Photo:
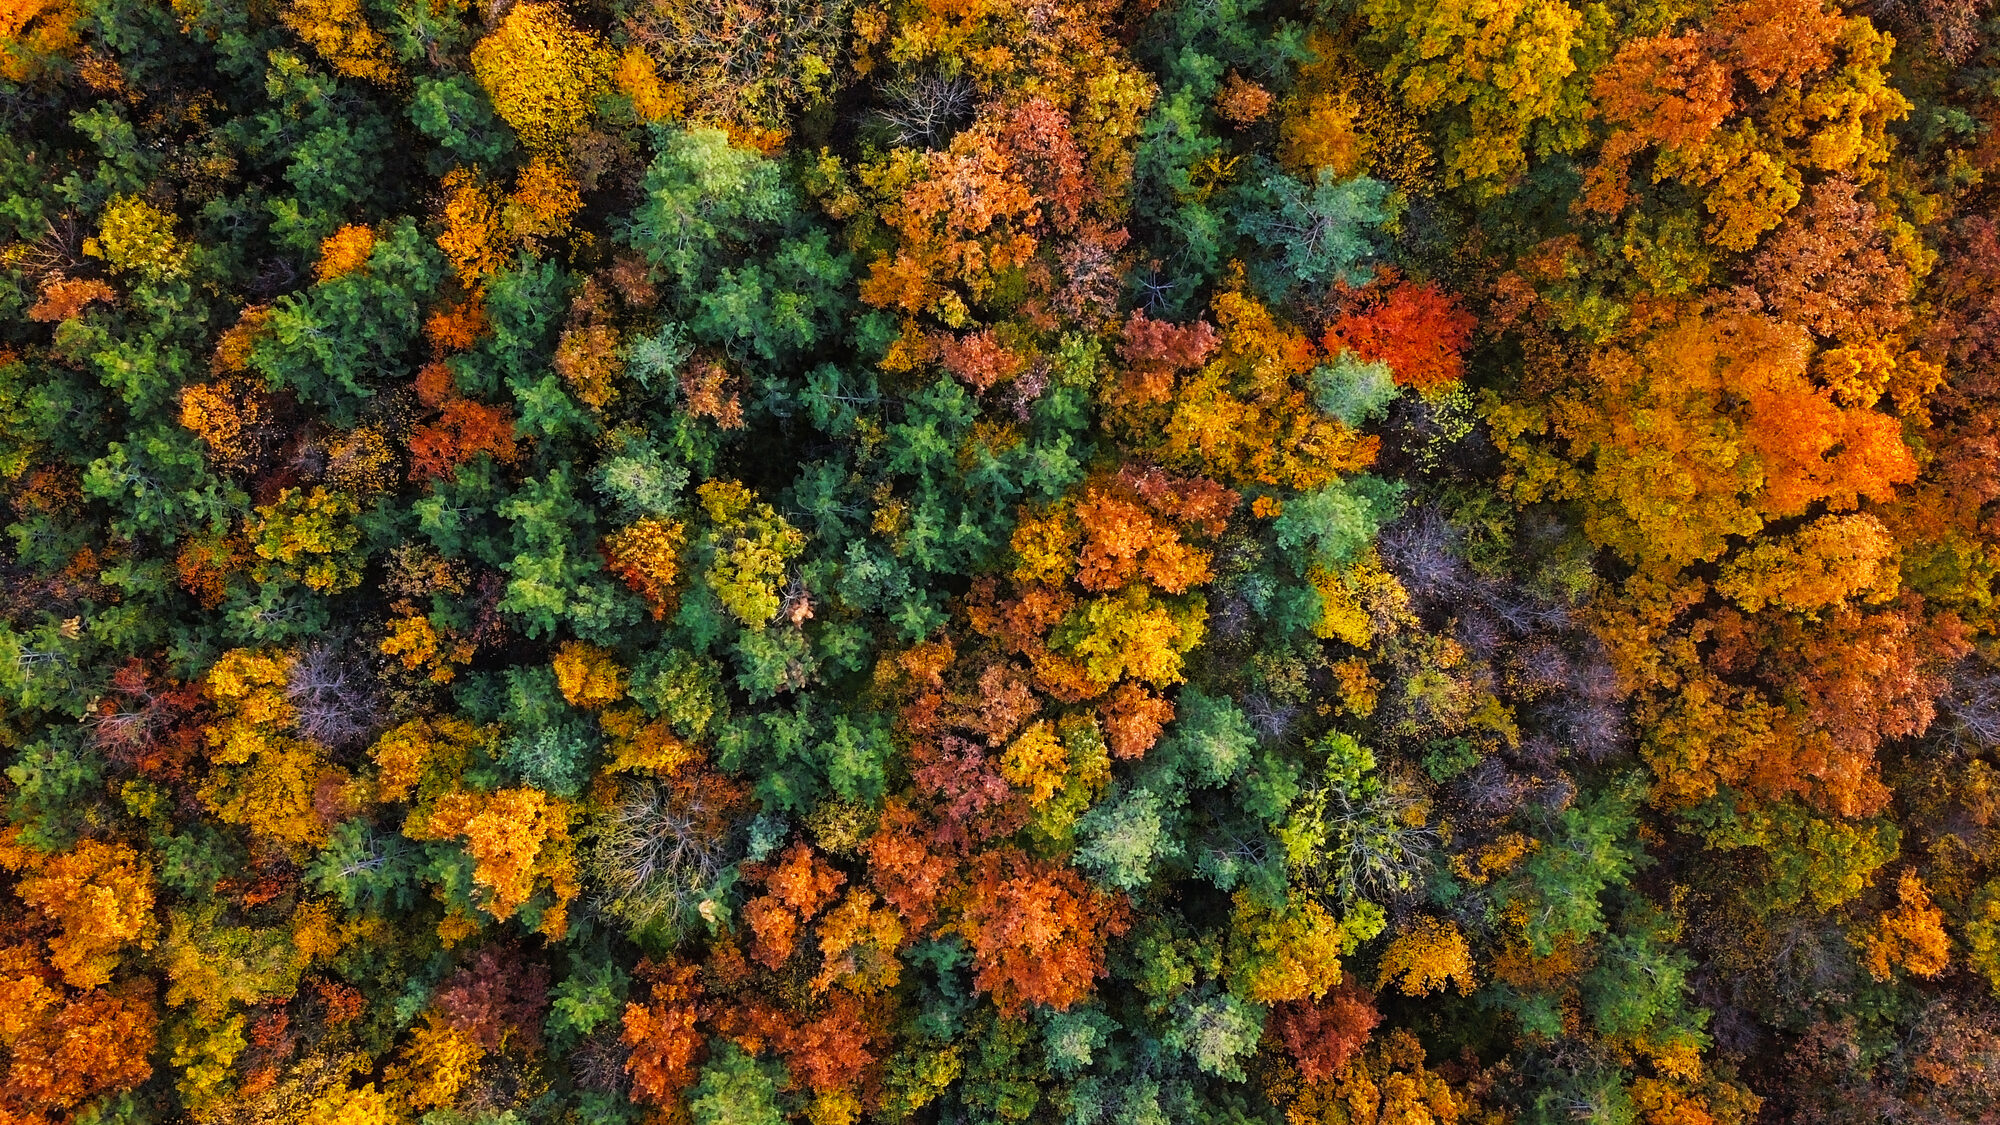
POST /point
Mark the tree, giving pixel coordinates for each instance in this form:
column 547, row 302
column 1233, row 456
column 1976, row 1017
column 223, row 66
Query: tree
column 666, row 1048
column 339, row 31
column 520, row 844
column 542, row 74
column 1501, row 75
column 1427, row 956
column 1415, row 328
column 1037, row 931
column 1910, row 937
column 1322, row 1036
column 101, row 898
column 735, row 1089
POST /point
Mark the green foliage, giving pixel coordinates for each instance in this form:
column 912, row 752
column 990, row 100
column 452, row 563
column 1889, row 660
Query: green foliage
column 735, row 1089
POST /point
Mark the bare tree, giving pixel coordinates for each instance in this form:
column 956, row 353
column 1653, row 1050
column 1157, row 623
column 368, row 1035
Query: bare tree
column 335, row 704
column 927, row 108
column 661, row 848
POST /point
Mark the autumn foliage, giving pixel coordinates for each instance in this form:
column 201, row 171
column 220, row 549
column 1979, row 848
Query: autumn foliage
column 1237, row 562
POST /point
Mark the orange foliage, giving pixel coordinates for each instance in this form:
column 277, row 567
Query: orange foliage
column 99, row 896
column 963, row 218
column 1133, row 719
column 1416, row 329
column 344, row 251
column 63, row 298
column 798, row 887
column 904, row 867
column 1322, row 1035
column 1155, row 352
column 463, row 430
column 661, row 1033
column 1037, row 930
column 455, row 326
column 60, row 1052
column 204, row 564
column 232, row 348
column 1242, row 102
column 31, row 31
column 646, row 557
column 1387, row 1085
column 229, row 415
column 981, row 360
column 652, row 99
column 544, row 200
column 1910, row 937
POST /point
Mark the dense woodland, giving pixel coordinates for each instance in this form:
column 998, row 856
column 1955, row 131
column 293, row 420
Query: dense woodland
column 721, row 562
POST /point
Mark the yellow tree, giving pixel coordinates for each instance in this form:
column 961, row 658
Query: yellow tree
column 1499, row 73
column 543, row 74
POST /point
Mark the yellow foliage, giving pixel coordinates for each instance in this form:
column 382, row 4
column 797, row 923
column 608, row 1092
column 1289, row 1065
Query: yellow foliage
column 1045, row 545
column 309, row 536
column 587, row 675
column 136, row 237
column 344, row 251
column 753, row 544
column 217, row 968
column 1824, row 564
column 858, row 940
column 1858, row 373
column 1721, row 1103
column 1504, row 62
column 1292, row 954
column 588, row 360
column 314, row 934
column 365, row 1106
column 1387, row 1085
column 472, row 239
column 833, row 1107
column 1982, row 934
column 543, row 75
column 265, row 778
column 204, row 1052
column 360, row 461
column 1245, row 417
column 520, row 845
column 339, row 31
column 225, row 414
column 272, row 794
column 646, row 556
column 421, row 757
column 636, row 743
column 248, row 688
column 416, row 643
column 438, row 1062
column 1132, row 634
column 1035, row 763
column 1427, row 956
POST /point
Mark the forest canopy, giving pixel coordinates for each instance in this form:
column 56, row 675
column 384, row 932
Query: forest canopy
column 1101, row 562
